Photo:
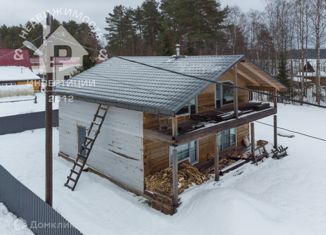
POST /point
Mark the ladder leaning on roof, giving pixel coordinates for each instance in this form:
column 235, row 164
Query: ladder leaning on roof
column 86, row 147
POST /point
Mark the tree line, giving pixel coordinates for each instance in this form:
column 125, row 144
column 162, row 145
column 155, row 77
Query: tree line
column 82, row 32
column 276, row 38
column 154, row 28
column 280, row 37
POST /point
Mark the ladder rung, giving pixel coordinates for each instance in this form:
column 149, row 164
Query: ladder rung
column 99, row 116
column 68, row 186
column 85, row 148
column 95, row 123
column 76, row 164
column 76, row 172
column 82, row 156
column 71, row 179
column 89, row 138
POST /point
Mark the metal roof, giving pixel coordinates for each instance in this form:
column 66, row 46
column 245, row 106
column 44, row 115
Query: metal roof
column 8, row 58
column 134, row 86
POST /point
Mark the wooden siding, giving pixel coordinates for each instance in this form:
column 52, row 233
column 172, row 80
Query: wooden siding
column 243, row 95
column 242, row 132
column 118, row 150
column 206, row 100
column 156, row 154
column 207, row 148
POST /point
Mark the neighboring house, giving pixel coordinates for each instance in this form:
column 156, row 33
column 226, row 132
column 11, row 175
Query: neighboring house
column 12, row 57
column 66, row 53
column 15, row 69
column 310, row 74
column 157, row 118
column 17, row 75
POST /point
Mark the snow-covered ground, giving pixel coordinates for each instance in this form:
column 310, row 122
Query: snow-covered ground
column 278, row 197
column 10, row 224
column 23, row 104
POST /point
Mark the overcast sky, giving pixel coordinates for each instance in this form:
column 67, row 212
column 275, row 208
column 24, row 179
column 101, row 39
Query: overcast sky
column 245, row 5
column 14, row 12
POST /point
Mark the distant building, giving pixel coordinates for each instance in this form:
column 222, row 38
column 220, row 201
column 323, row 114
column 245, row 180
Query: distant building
column 19, row 75
column 310, row 74
column 16, row 69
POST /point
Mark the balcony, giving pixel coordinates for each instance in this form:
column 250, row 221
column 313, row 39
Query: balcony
column 206, row 123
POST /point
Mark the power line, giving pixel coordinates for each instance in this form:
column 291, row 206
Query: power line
column 19, row 48
column 296, row 132
column 216, row 82
column 205, row 79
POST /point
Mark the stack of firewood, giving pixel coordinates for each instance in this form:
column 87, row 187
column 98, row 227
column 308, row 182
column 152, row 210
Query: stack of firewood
column 225, row 162
column 161, row 181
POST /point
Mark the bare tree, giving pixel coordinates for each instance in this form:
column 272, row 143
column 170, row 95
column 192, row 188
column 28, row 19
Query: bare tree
column 301, row 13
column 317, row 17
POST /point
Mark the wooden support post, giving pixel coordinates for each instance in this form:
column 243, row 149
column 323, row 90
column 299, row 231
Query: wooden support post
column 275, row 131
column 216, row 162
column 174, row 127
column 253, row 144
column 235, row 93
column 275, row 99
column 174, row 159
column 175, row 176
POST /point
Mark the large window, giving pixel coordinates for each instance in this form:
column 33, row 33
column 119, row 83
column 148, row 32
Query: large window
column 224, row 94
column 190, row 108
column 187, row 151
column 226, row 139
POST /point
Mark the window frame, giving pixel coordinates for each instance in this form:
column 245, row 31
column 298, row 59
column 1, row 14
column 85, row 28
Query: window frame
column 189, row 108
column 220, row 85
column 232, row 145
column 189, row 157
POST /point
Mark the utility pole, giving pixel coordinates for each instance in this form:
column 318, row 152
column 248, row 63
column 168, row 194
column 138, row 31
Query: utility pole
column 48, row 115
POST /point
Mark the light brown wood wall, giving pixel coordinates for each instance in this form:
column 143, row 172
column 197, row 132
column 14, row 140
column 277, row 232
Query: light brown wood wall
column 242, row 132
column 156, row 154
column 206, row 100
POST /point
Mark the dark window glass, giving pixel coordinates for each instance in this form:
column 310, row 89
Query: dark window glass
column 224, row 94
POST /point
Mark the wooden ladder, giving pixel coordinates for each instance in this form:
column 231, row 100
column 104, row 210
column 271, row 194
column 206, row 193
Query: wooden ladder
column 86, row 147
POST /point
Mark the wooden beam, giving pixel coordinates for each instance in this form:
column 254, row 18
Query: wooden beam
column 174, row 126
column 258, row 74
column 233, row 123
column 247, row 77
column 217, row 161
column 235, row 93
column 275, row 98
column 275, row 131
column 159, row 136
column 253, row 143
column 262, row 88
column 174, row 159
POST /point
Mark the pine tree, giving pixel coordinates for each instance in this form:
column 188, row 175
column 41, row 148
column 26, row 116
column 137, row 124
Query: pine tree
column 151, row 25
column 196, row 24
column 121, row 31
column 282, row 75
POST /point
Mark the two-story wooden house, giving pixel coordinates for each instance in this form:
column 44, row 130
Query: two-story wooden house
column 161, row 111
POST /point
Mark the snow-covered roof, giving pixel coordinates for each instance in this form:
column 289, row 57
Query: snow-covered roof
column 312, row 74
column 144, row 88
column 16, row 73
column 298, row 79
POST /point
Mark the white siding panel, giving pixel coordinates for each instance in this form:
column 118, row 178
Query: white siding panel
column 118, row 150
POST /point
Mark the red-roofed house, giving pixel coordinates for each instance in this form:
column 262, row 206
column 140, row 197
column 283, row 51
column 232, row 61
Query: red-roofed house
column 10, row 57
column 16, row 68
